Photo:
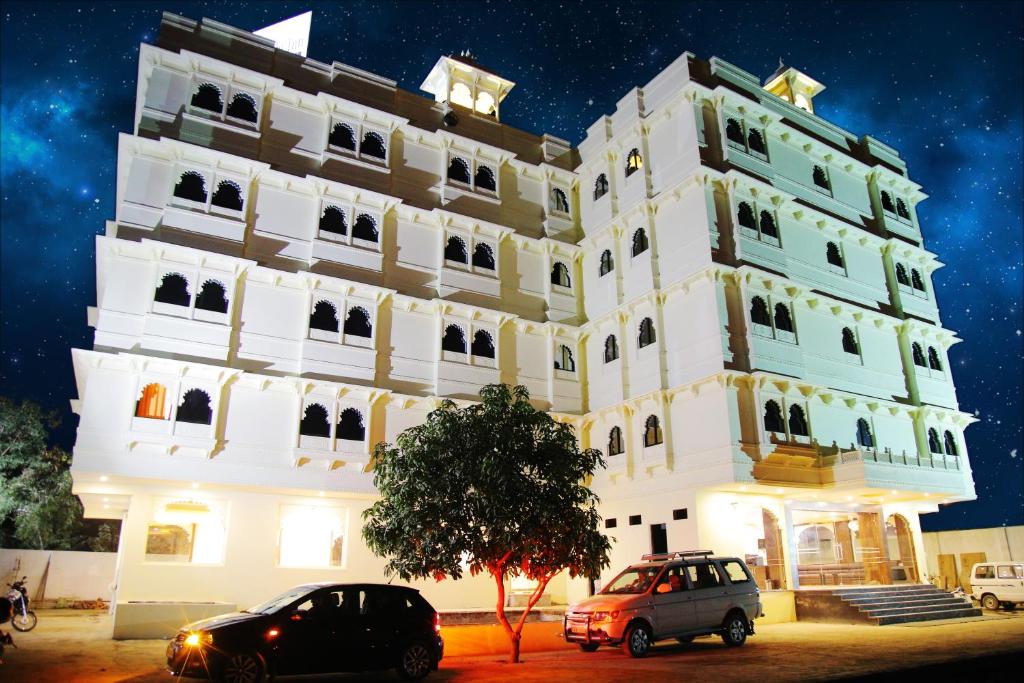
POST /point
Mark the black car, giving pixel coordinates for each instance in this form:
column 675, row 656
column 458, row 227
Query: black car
column 314, row 629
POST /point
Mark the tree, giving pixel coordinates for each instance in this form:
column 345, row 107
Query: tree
column 37, row 508
column 496, row 487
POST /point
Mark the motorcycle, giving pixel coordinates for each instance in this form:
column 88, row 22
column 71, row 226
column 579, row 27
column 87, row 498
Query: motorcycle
column 22, row 619
column 5, row 615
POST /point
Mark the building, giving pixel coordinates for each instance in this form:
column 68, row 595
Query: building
column 725, row 293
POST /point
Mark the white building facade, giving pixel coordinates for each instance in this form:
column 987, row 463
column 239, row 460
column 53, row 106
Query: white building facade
column 726, row 294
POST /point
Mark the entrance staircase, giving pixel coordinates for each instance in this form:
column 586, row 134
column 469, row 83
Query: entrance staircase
column 882, row 605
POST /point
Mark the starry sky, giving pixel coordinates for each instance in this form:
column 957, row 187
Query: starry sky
column 939, row 81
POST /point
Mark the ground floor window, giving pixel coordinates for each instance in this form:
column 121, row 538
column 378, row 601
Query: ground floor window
column 761, row 535
column 312, row 536
column 840, row 548
column 186, row 531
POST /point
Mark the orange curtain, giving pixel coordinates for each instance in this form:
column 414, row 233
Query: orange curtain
column 151, row 404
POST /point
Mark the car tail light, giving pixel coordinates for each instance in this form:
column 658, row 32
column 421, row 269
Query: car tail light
column 437, row 622
column 273, row 633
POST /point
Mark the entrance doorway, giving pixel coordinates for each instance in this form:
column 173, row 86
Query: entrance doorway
column 659, row 539
column 836, row 548
column 899, row 541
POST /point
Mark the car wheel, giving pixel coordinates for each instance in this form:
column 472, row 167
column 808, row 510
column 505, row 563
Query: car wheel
column 989, row 601
column 638, row 640
column 684, row 639
column 589, row 647
column 415, row 662
column 24, row 622
column 243, row 668
column 734, row 632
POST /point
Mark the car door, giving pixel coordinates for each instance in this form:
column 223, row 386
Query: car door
column 380, row 625
column 742, row 589
column 709, row 593
column 674, row 607
column 1010, row 579
column 305, row 642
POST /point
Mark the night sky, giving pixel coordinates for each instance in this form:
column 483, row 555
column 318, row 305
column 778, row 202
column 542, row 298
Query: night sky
column 940, row 82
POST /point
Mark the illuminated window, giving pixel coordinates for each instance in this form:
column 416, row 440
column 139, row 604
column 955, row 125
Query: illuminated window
column 343, row 137
column 462, row 95
column 455, row 250
column 864, row 436
column 483, row 257
column 333, row 220
column 559, row 202
column 314, row 421
column 615, row 441
column 640, row 243
column 350, row 425
column 933, row 359
column 850, row 342
column 773, row 418
column 243, row 107
column 607, row 263
column 611, row 349
column 186, row 531
column 212, row 297
column 485, row 104
column 152, row 402
column 324, row 317
column 365, row 228
column 312, row 536
column 208, row 96
column 195, row 408
column 454, row 339
column 357, row 323
column 483, row 345
column 950, row 442
column 759, row 312
column 173, row 290
column 647, row 336
column 560, row 275
column 600, row 186
column 634, row 162
column 798, row 422
column 191, row 185
column 934, row 445
column 833, row 255
column 918, row 354
column 652, row 431
column 564, row 359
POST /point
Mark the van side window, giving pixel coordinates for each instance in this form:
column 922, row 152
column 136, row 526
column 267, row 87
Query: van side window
column 735, row 571
column 1006, row 572
column 704, row 575
column 674, row 581
column 985, row 572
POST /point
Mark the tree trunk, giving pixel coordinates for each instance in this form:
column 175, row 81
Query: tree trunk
column 513, row 635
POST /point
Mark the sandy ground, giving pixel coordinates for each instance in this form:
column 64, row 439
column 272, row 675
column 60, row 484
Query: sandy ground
column 75, row 646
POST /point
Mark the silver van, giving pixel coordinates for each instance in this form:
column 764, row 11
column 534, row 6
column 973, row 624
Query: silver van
column 996, row 584
column 677, row 595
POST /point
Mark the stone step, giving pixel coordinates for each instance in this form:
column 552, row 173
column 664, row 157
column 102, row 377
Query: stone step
column 929, row 616
column 846, row 594
column 896, row 598
column 873, row 607
column 913, row 609
column 909, row 587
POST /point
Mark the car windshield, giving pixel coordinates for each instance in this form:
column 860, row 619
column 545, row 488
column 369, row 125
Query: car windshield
column 634, row 580
column 282, row 600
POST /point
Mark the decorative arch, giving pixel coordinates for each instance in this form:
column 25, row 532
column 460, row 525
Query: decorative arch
column 458, row 170
column 915, row 280
column 600, row 186
column 560, row 275
column 208, row 97
column 773, row 417
column 228, row 195
column 324, row 317
column 455, row 250
column 864, row 436
column 615, row 446
column 933, row 359
column 901, row 209
column 173, row 289
column 745, row 216
column 607, row 264
column 564, row 359
column 611, row 349
column 191, row 185
column 759, row 314
column 485, row 179
column 899, row 538
column 333, row 220
column 783, row 318
column 949, row 441
column 365, row 228
column 774, row 552
column 798, row 421
column 833, row 255
column 343, row 136
column 768, row 226
column 483, row 344
column 483, row 256
column 559, row 201
column 734, row 131
column 918, row 353
column 652, row 431
column 850, row 342
column 647, row 335
column 314, row 421
column 755, row 141
column 357, row 323
column 640, row 243
column 350, row 425
column 454, row 339
column 152, row 401
column 887, row 202
column 243, row 107
column 195, row 407
column 634, row 162
column 373, row 146
column 213, row 297
column 901, row 275
column 820, row 178
column 934, row 445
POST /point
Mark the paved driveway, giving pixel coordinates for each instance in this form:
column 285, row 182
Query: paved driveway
column 75, row 646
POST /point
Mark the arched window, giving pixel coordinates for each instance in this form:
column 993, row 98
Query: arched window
column 933, row 359
column 746, row 216
column 833, row 255
column 324, row 317
column 797, row 422
column 173, row 290
column 887, row 202
column 483, row 345
column 208, row 97
column 357, row 322
column 652, row 431
column 365, row 228
column 559, row 202
column 600, row 186
column 850, row 342
column 901, row 275
column 634, row 162
column 192, row 186
column 455, row 250
column 773, row 418
column 350, row 425
column 314, row 421
column 915, row 280
column 212, row 297
column 934, row 445
column 640, row 243
column 607, row 263
column 950, row 442
column 783, row 318
column 759, row 312
column 195, row 408
column 901, row 209
column 333, row 220
column 611, row 348
column 821, row 178
column 615, row 441
column 768, row 224
column 458, row 170
column 243, row 107
column 733, row 131
column 454, row 339
column 756, row 141
column 373, row 146
column 864, row 437
column 647, row 336
column 483, row 257
column 560, row 275
column 151, row 402
column 564, row 359
column 484, row 179
column 228, row 195
column 918, row 354
column 342, row 136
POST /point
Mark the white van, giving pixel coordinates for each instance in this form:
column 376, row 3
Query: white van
column 998, row 583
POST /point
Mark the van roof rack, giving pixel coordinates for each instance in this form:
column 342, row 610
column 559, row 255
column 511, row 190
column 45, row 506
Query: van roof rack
column 676, row 555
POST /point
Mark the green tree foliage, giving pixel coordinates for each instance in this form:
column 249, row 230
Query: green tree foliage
column 37, row 508
column 496, row 487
